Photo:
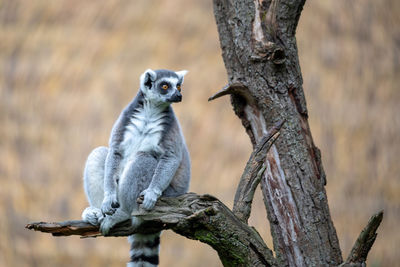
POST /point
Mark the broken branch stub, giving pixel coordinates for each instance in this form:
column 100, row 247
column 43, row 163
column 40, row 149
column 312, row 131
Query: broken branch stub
column 365, row 240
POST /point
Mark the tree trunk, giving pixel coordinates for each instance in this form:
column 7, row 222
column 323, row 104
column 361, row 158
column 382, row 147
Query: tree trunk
column 264, row 80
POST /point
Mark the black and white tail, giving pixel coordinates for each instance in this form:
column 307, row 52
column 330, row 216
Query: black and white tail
column 144, row 250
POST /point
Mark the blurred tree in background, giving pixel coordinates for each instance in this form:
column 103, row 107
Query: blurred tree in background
column 67, row 68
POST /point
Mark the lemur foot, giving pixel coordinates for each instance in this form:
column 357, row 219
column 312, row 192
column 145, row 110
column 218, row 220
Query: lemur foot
column 150, row 197
column 92, row 215
column 111, row 220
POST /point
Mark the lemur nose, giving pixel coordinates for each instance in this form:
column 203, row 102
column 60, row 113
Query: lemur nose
column 176, row 97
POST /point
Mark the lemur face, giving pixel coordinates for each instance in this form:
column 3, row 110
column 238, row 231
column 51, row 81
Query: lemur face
column 162, row 86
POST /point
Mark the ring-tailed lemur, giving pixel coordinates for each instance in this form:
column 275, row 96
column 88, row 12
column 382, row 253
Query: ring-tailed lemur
column 147, row 157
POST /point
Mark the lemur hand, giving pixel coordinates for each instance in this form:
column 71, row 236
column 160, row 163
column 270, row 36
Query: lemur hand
column 150, row 197
column 110, row 204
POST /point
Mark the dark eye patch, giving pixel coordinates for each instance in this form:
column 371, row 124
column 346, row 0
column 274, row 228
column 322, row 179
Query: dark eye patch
column 164, row 87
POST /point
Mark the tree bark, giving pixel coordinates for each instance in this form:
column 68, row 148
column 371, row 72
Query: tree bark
column 264, row 80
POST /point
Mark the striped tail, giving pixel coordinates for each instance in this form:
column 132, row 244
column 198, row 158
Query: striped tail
column 144, row 250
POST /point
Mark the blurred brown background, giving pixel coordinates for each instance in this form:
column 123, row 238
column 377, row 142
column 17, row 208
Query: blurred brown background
column 67, row 68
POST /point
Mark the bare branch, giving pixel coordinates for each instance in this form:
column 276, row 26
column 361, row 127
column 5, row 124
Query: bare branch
column 202, row 218
column 252, row 174
column 233, row 88
column 364, row 242
column 65, row 228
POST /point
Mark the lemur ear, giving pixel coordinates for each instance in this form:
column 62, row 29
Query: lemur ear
column 181, row 74
column 147, row 79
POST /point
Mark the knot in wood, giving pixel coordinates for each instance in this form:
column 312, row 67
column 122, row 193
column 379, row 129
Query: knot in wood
column 278, row 56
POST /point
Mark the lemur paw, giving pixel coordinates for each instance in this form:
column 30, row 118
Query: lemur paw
column 106, row 225
column 92, row 215
column 150, row 197
column 110, row 204
column 110, row 221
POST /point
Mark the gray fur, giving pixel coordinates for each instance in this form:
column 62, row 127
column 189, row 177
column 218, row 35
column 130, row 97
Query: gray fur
column 147, row 156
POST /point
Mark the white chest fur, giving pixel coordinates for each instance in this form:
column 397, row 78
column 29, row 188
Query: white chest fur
column 144, row 131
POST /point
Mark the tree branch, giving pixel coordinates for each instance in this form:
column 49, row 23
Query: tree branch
column 233, row 88
column 252, row 174
column 199, row 217
column 364, row 242
column 65, row 228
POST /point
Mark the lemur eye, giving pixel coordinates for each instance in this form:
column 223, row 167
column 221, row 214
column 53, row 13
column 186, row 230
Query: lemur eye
column 165, row 87
column 178, row 87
